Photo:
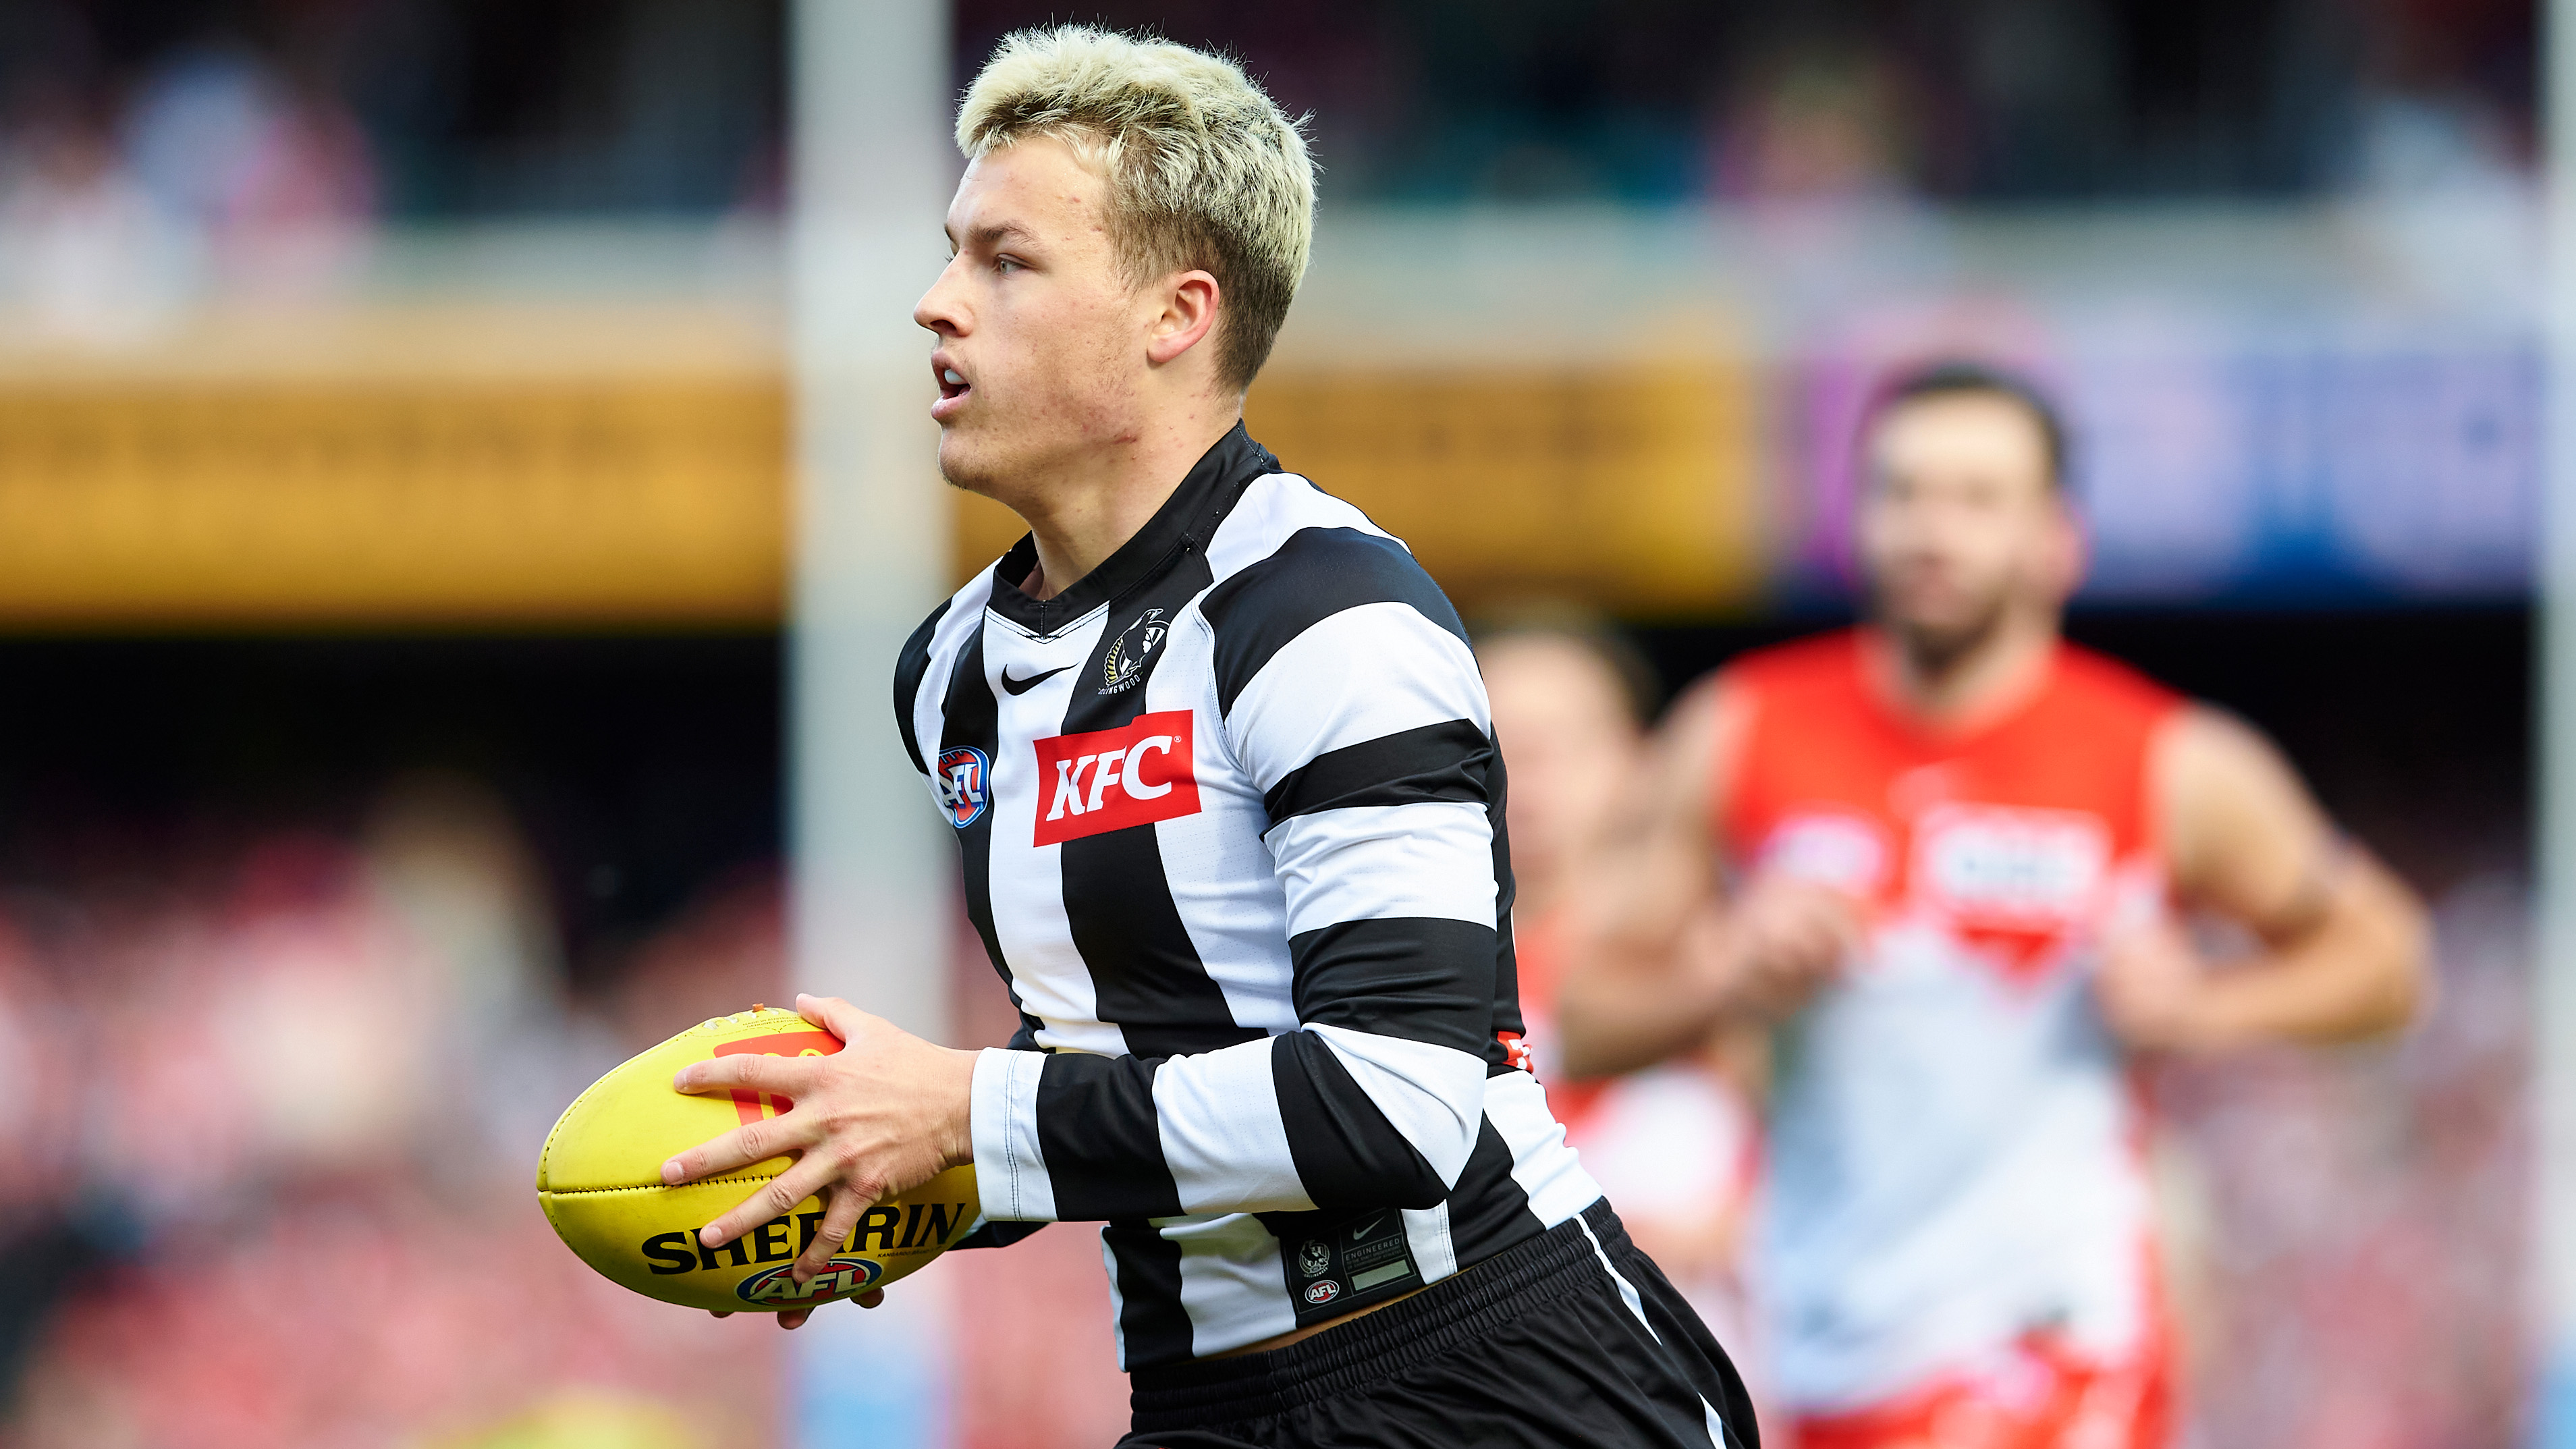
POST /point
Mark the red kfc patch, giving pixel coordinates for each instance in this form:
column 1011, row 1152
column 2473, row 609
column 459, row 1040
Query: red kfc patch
column 1111, row 779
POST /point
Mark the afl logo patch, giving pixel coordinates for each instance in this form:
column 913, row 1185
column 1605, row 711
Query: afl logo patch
column 1125, row 663
column 844, row 1277
column 965, row 782
column 1324, row 1292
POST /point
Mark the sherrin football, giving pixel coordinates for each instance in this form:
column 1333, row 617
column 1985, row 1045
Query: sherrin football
column 600, row 1180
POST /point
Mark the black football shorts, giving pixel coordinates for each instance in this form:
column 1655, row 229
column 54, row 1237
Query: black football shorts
column 1571, row 1338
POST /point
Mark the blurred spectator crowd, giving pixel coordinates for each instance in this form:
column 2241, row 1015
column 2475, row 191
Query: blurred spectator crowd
column 216, row 173
column 273, row 1104
column 196, row 125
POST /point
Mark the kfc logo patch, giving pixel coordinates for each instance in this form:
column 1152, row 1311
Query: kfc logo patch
column 1111, row 779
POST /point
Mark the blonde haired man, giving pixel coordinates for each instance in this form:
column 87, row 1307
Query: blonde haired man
column 1230, row 819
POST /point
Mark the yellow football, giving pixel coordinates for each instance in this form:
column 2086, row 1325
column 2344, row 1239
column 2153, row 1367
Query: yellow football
column 600, row 1180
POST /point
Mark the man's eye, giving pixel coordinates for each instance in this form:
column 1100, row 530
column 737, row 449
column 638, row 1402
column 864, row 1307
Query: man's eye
column 1008, row 264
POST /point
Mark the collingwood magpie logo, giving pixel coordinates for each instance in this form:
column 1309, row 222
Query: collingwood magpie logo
column 1126, row 662
column 1313, row 1259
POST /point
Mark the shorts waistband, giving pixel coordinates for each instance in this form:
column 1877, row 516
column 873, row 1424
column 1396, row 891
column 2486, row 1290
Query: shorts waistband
column 1375, row 1346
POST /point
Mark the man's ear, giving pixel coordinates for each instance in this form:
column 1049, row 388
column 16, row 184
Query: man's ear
column 1188, row 315
column 2070, row 548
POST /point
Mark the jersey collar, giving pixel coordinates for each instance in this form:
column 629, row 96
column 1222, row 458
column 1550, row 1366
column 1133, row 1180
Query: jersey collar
column 1184, row 523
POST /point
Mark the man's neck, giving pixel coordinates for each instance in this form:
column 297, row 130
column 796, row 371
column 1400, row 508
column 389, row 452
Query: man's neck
column 1981, row 683
column 1080, row 517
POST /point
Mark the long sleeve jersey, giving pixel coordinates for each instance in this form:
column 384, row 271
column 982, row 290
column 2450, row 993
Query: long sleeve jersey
column 1230, row 814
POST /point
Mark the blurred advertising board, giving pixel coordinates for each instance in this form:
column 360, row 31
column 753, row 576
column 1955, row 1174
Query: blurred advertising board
column 2250, row 470
column 1650, row 410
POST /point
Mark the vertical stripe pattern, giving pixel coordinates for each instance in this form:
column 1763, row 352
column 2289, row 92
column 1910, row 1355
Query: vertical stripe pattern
column 1238, row 856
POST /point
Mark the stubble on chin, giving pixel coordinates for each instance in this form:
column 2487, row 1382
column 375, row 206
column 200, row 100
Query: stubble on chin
column 1934, row 648
column 960, row 468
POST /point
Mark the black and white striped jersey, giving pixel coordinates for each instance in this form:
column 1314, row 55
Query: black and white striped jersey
column 1231, row 817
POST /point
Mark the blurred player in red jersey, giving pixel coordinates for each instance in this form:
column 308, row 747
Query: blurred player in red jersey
column 1949, row 850
column 1678, row 1142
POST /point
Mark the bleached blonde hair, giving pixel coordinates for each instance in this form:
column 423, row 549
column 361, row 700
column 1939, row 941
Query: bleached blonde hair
column 1205, row 171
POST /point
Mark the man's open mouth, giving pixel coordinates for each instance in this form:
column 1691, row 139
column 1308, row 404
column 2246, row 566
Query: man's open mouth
column 952, row 383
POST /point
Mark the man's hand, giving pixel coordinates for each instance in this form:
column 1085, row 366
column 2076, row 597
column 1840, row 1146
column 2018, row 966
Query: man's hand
column 881, row 1116
column 2154, row 991
column 1781, row 941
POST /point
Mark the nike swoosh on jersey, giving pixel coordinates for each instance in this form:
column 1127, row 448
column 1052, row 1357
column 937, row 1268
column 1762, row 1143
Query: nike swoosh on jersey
column 1023, row 686
column 1362, row 1234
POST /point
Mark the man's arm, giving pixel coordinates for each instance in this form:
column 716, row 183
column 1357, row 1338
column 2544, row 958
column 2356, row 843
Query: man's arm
column 2345, row 942
column 1659, row 958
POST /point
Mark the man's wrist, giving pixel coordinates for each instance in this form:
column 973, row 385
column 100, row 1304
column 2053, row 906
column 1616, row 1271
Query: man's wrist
column 957, row 1133
column 1010, row 1169
column 2218, row 1017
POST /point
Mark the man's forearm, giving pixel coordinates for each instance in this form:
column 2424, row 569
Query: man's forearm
column 1611, row 1021
column 1291, row 1123
column 2361, row 972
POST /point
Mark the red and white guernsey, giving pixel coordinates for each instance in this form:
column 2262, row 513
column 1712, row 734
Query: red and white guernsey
column 1954, row 1148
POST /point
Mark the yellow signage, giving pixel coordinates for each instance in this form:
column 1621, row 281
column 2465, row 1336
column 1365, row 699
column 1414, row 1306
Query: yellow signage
column 571, row 498
column 1632, row 488
column 215, row 503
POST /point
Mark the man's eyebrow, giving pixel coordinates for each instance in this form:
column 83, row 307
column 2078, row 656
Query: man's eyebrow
column 996, row 233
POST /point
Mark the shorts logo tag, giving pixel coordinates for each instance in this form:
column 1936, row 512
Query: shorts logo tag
column 1363, row 1260
column 1111, row 779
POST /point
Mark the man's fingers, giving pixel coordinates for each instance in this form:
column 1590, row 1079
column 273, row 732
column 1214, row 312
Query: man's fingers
column 749, row 1071
column 871, row 1298
column 794, row 1317
column 839, row 1219
column 749, row 1143
column 1830, row 911
column 833, row 1014
column 775, row 1198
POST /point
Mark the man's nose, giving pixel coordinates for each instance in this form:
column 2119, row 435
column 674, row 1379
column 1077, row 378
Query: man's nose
column 937, row 311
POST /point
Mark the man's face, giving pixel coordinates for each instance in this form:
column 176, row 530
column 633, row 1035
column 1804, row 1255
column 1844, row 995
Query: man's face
column 1959, row 522
column 1040, row 336
column 1568, row 740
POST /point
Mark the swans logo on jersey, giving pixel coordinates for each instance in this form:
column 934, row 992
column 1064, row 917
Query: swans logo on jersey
column 965, row 782
column 2011, row 867
column 1111, row 779
column 1845, row 851
column 1125, row 663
